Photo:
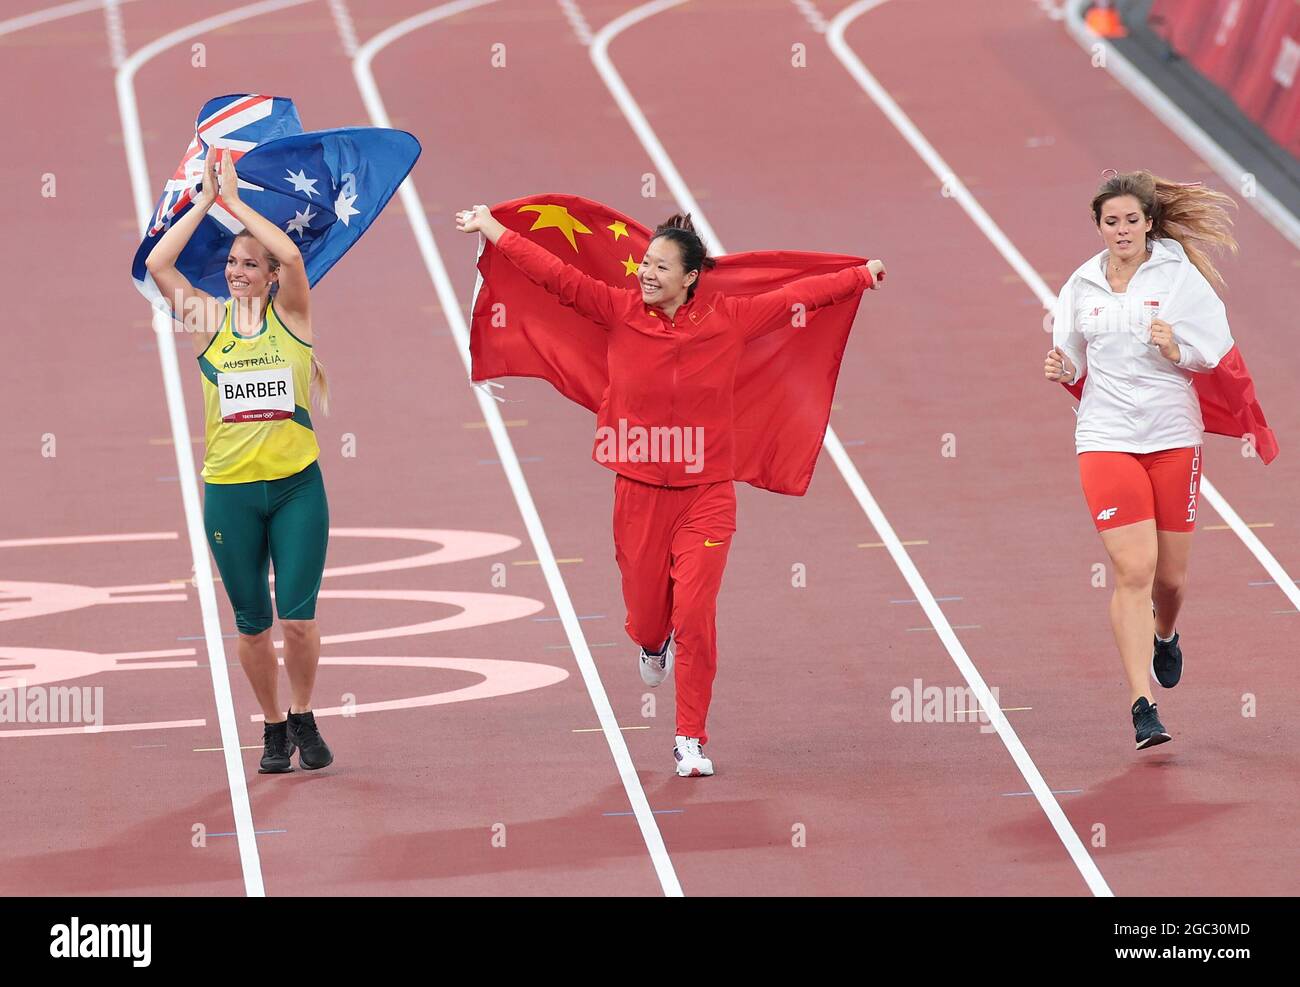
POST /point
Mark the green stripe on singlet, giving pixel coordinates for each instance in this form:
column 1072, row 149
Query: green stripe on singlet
column 302, row 417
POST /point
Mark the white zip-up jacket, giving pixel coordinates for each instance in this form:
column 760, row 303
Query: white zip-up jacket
column 1134, row 400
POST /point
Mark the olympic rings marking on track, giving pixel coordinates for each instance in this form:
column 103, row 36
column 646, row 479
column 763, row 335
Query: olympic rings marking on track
column 38, row 666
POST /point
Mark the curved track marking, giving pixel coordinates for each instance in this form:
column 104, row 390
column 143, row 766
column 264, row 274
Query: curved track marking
column 501, row 677
column 39, row 666
column 419, row 220
column 88, row 539
column 106, row 728
column 33, row 667
column 20, row 600
column 137, row 164
column 477, row 610
column 848, row 470
column 47, row 14
column 456, row 546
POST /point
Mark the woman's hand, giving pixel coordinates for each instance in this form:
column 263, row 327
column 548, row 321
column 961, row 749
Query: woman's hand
column 877, row 269
column 1058, row 367
column 479, row 220
column 1162, row 337
column 473, row 220
column 229, row 178
column 207, row 195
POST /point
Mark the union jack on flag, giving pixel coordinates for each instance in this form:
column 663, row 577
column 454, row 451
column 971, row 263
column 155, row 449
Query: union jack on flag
column 324, row 188
column 255, row 117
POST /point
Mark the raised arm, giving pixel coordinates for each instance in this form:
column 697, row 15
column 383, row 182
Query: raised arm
column 590, row 297
column 199, row 312
column 768, row 311
column 292, row 299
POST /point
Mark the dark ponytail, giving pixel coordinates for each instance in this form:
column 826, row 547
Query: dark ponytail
column 695, row 256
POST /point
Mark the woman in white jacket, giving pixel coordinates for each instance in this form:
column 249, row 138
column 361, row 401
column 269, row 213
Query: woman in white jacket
column 1138, row 320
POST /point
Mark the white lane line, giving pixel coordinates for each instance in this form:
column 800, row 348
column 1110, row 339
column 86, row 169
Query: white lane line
column 419, row 221
column 576, row 20
column 47, row 14
column 1187, row 129
column 162, row 325
column 993, row 232
column 600, row 56
column 812, row 15
column 347, row 30
column 116, row 33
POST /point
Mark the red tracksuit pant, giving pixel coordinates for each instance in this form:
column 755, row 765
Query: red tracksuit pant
column 671, row 544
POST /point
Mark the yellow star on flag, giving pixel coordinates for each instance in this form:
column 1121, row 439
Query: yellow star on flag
column 630, row 266
column 556, row 217
column 619, row 228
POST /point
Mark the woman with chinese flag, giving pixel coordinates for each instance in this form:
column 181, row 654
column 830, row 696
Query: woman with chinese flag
column 671, row 355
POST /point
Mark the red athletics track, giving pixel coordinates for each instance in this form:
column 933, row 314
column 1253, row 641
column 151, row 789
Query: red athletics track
column 991, row 512
column 85, row 815
column 978, row 320
column 1227, row 786
column 800, row 724
column 888, row 808
column 414, row 812
column 1102, row 800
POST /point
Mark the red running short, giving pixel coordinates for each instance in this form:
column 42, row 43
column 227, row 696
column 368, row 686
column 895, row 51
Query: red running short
column 1124, row 487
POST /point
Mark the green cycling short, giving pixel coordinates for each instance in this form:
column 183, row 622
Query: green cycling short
column 251, row 526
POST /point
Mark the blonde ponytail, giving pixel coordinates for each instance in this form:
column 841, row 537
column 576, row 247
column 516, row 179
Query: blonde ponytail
column 320, row 386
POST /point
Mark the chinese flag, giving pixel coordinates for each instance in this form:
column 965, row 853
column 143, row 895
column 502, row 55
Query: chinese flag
column 786, row 378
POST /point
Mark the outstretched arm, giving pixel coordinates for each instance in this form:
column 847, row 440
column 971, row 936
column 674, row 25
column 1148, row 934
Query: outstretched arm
column 198, row 311
column 765, row 312
column 590, row 297
column 292, row 300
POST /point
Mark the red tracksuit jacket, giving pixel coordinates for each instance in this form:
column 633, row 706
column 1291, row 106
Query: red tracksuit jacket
column 676, row 374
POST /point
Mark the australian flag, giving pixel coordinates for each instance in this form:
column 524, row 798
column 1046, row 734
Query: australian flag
column 323, row 187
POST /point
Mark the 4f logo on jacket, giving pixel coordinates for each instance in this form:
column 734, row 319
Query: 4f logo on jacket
column 1107, row 514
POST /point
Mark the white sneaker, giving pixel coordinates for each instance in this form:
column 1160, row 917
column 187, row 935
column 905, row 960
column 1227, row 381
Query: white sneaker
column 691, row 762
column 656, row 668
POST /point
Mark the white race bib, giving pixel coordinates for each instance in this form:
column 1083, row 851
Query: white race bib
column 256, row 396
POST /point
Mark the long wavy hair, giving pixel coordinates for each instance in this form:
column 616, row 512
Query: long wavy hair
column 1195, row 216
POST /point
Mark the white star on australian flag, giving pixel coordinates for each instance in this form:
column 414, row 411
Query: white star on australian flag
column 301, row 183
column 300, row 221
column 343, row 207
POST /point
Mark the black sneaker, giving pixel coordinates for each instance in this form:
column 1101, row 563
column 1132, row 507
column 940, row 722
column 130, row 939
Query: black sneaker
column 1150, row 731
column 313, row 752
column 1167, row 662
column 275, row 749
